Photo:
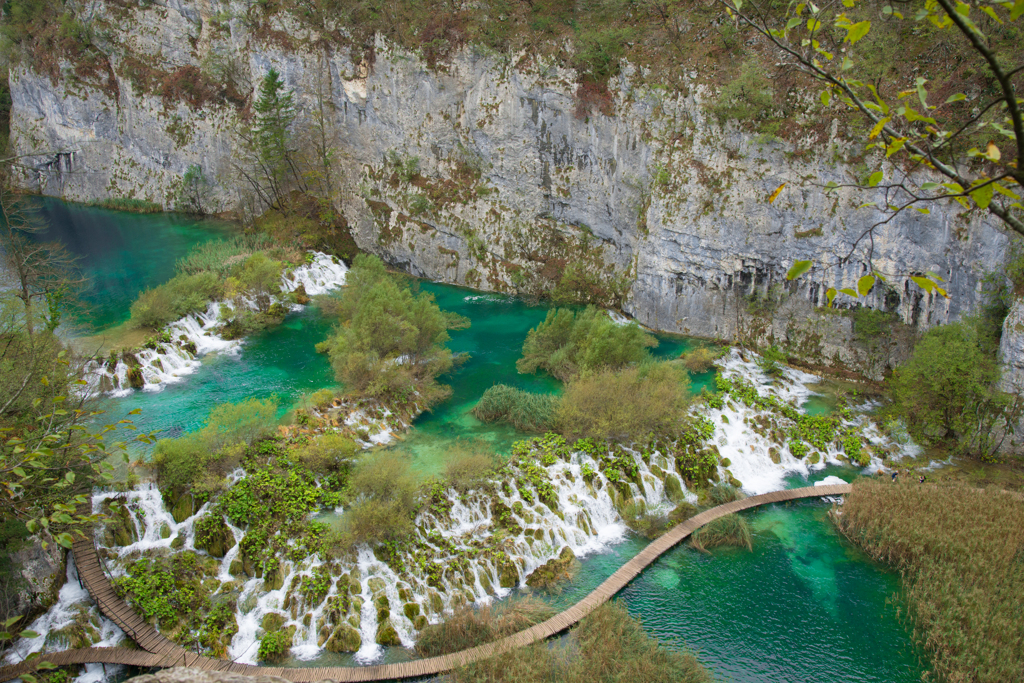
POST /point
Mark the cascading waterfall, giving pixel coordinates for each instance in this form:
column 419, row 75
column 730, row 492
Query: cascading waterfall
column 195, row 335
column 73, row 621
column 479, row 545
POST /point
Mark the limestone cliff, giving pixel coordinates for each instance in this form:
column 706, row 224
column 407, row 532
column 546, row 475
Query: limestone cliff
column 480, row 173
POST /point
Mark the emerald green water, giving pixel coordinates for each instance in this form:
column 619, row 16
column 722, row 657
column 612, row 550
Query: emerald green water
column 803, row 606
column 122, row 253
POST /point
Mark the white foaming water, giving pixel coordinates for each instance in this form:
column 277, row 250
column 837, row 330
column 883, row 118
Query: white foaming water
column 146, row 510
column 73, row 606
column 749, row 452
column 319, row 277
column 171, row 362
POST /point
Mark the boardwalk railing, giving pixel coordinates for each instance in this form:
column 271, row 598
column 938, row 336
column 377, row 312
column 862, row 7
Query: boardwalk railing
column 158, row 651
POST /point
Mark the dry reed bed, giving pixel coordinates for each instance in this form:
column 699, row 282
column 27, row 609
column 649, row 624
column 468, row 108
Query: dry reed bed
column 960, row 553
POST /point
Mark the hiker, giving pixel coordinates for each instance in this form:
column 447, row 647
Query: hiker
column 895, row 473
column 921, row 480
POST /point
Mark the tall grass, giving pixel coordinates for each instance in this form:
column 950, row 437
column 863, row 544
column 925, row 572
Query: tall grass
column 523, row 410
column 220, row 256
column 607, row 646
column 469, row 627
column 130, row 205
column 960, row 553
column 729, row 530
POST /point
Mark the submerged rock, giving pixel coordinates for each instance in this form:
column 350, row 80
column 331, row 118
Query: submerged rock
column 184, row 507
column 554, row 570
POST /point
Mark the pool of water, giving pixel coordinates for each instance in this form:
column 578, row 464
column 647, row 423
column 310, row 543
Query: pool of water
column 804, row 605
column 122, row 253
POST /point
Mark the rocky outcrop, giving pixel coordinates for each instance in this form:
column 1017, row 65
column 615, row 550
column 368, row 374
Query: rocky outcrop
column 40, row 572
column 481, row 174
column 557, row 569
column 1011, row 348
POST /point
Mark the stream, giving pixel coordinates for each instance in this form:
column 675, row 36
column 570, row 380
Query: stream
column 804, row 605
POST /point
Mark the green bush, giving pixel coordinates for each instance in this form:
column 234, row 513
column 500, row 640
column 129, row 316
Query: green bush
column 274, row 646
column 467, row 464
column 568, row 343
column 523, row 410
column 700, row 359
column 328, row 453
column 625, row 405
column 180, row 296
column 129, row 205
column 383, row 489
column 221, row 256
column 730, row 530
column 390, row 344
column 469, row 626
column 948, row 390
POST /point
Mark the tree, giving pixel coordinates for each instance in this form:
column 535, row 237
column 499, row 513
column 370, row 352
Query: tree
column 270, row 166
column 948, row 391
column 973, row 144
column 194, row 194
column 390, row 343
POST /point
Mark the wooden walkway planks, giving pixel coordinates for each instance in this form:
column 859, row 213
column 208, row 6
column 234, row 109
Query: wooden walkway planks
column 158, row 651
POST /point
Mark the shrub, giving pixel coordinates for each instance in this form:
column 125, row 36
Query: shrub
column 959, row 553
column 700, row 359
column 567, row 343
column 384, row 490
column 948, row 391
column 220, row 256
column 391, row 344
column 274, row 646
column 626, row 404
column 728, row 530
column 523, row 410
column 468, row 626
column 129, row 205
column 182, row 295
column 328, row 453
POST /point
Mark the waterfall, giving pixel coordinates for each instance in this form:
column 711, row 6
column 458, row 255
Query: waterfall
column 184, row 341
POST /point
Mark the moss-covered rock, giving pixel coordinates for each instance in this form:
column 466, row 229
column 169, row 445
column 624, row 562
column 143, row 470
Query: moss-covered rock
column 272, row 621
column 412, row 610
column 183, row 508
column 178, row 543
column 165, row 530
column 673, row 488
column 214, row 536
column 344, row 638
column 733, row 481
column 274, row 579
column 387, row 635
column 508, row 572
column 554, row 570
column 773, row 453
column 236, row 567
column 420, row 622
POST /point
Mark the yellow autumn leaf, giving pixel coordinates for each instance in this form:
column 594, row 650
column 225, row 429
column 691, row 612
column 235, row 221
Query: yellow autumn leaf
column 878, row 128
column 992, row 152
column 775, row 195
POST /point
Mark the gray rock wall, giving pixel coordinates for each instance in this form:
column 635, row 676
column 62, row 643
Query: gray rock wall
column 658, row 196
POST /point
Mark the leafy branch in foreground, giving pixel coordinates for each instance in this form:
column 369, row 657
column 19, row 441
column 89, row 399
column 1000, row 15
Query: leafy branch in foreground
column 971, row 146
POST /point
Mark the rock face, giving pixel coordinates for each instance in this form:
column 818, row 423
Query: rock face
column 43, row 573
column 481, row 174
column 1011, row 348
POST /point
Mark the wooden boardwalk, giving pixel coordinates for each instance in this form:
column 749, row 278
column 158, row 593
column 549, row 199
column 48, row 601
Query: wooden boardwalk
column 158, row 651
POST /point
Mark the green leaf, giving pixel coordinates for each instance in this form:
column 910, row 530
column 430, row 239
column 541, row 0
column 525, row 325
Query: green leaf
column 798, row 268
column 930, row 186
column 865, row 284
column 10, row 622
column 826, row 96
column 46, row 666
column 934, row 276
column 29, row 634
column 878, row 127
column 955, row 98
column 830, row 294
column 1018, row 9
column 20, row 472
column 858, row 31
column 847, row 290
column 982, row 196
column 794, row 22
column 922, row 210
column 896, row 146
column 924, row 283
column 875, row 178
column 64, row 540
column 70, row 476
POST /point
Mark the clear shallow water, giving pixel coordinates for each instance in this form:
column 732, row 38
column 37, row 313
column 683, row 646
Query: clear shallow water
column 804, row 606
